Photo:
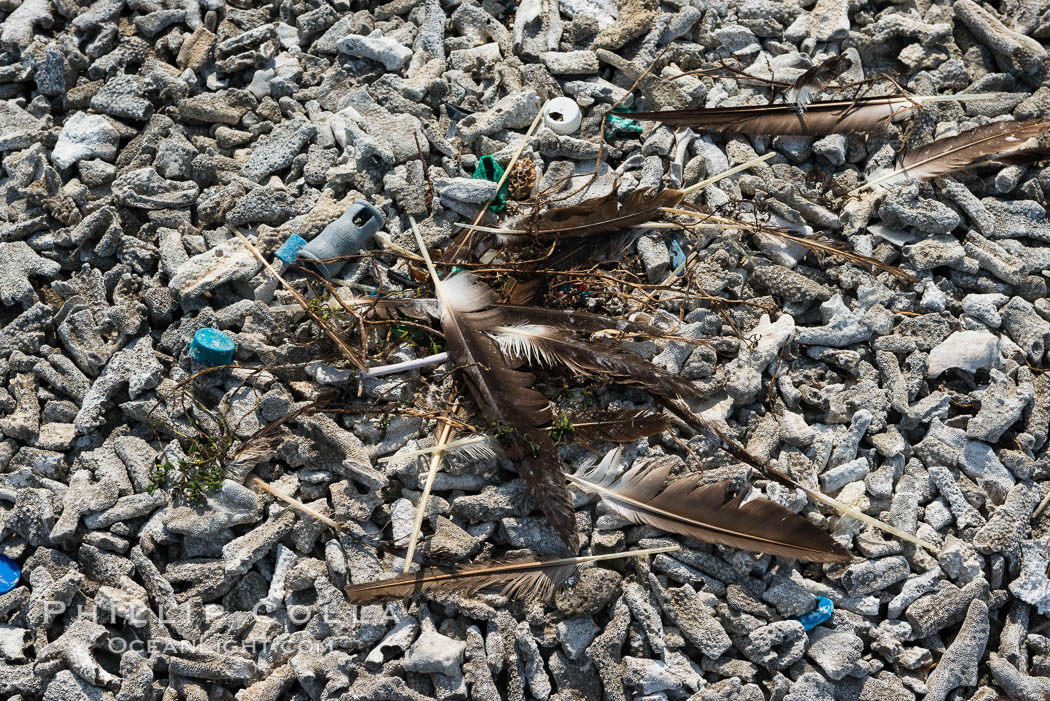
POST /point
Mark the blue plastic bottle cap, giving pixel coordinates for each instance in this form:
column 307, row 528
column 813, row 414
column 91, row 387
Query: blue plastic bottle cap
column 212, row 347
column 825, row 607
column 289, row 251
column 10, row 573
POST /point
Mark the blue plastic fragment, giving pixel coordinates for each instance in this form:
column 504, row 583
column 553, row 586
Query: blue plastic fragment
column 289, row 250
column 212, row 348
column 10, row 573
column 677, row 256
column 821, row 613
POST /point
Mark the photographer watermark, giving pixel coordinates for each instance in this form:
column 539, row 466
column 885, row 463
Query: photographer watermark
column 297, row 615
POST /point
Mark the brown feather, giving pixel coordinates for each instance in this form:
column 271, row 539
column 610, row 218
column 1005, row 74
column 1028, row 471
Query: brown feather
column 731, row 447
column 606, row 214
column 828, row 117
column 1020, row 157
column 550, row 344
column 816, row 79
column 516, row 578
column 506, row 400
column 707, row 512
column 617, row 426
column 954, row 153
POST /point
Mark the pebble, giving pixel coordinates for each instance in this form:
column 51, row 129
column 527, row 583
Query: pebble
column 85, row 136
column 965, row 350
column 958, row 665
column 376, row 47
column 837, row 653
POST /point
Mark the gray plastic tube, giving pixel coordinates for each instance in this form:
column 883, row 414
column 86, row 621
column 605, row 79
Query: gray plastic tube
column 345, row 236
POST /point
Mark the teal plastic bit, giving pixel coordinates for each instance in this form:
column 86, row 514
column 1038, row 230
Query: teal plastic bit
column 621, row 126
column 489, row 169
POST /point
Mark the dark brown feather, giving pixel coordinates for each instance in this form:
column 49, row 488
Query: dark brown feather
column 616, row 426
column 515, row 578
column 828, row 117
column 606, row 214
column 707, row 512
column 506, row 400
column 549, row 344
column 954, row 153
column 816, row 79
column 694, row 420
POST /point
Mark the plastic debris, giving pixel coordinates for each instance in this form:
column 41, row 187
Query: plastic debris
column 820, row 614
column 489, row 169
column 212, row 348
column 618, row 125
column 289, row 250
column 10, row 573
column 677, row 256
column 285, row 256
column 562, row 116
column 345, row 236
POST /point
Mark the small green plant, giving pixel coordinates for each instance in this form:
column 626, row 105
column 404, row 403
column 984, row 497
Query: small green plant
column 418, row 337
column 192, row 477
column 561, row 429
column 320, row 308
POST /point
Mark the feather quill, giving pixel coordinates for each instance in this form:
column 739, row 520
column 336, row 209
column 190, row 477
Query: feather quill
column 514, row 577
column 814, row 80
column 826, row 117
column 953, row 153
column 730, row 446
column 503, row 395
column 617, row 426
column 605, row 214
column 547, row 344
column 706, row 511
column 474, row 447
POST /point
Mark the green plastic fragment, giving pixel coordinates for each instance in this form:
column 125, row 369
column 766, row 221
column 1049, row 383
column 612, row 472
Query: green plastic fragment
column 621, row 126
column 489, row 169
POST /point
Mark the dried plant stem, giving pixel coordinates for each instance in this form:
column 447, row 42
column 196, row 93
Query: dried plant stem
column 726, row 173
column 387, row 243
column 870, row 520
column 435, row 461
column 506, row 174
column 296, row 504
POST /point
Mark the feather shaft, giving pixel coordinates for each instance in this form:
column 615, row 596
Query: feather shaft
column 296, row 504
column 435, row 461
column 705, row 512
column 954, row 153
column 726, row 173
column 522, row 578
column 406, row 365
column 827, row 117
